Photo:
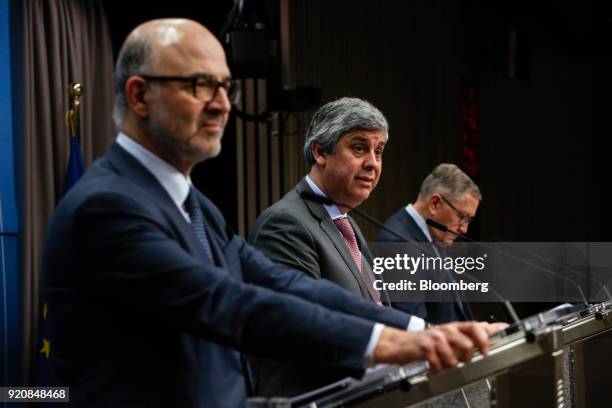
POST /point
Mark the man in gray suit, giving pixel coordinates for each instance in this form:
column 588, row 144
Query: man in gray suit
column 344, row 147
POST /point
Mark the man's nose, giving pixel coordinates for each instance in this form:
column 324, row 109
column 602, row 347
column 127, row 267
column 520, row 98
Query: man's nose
column 370, row 161
column 221, row 102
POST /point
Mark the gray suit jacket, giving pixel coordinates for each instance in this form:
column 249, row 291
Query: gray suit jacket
column 299, row 233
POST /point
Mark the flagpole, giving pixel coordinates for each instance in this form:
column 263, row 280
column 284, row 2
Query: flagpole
column 72, row 116
column 42, row 373
column 76, row 167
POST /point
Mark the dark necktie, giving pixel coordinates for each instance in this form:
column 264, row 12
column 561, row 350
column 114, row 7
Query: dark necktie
column 457, row 294
column 192, row 206
column 346, row 229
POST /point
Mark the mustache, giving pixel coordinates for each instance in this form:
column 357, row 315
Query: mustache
column 217, row 119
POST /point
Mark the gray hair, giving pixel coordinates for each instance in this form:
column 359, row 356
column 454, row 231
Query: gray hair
column 450, row 181
column 337, row 118
column 134, row 58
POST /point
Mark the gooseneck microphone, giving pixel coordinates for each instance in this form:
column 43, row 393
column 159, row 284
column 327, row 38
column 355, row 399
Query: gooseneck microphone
column 307, row 195
column 550, row 262
column 444, row 228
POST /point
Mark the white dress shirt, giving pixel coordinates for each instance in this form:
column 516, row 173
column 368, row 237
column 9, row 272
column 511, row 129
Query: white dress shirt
column 175, row 183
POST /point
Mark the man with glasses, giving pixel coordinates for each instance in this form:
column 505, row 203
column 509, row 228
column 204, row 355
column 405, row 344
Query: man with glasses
column 451, row 198
column 153, row 297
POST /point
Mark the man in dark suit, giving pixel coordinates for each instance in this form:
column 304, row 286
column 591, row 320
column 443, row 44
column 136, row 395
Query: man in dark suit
column 152, row 297
column 451, row 198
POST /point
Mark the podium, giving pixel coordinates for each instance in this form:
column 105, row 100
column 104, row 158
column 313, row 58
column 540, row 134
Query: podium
column 537, row 354
column 588, row 340
column 559, row 358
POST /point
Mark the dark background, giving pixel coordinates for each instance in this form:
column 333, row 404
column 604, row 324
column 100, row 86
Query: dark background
column 215, row 178
column 541, row 153
column 542, row 156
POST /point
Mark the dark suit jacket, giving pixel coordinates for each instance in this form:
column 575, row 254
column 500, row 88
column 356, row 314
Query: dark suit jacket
column 432, row 311
column 299, row 233
column 139, row 317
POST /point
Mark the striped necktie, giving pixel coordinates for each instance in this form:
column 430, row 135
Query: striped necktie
column 193, row 208
column 346, row 229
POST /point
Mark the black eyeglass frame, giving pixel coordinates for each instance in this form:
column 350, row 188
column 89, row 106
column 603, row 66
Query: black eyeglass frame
column 231, row 86
column 463, row 218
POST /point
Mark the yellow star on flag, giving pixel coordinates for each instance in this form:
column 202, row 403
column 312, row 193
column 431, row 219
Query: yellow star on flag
column 46, row 348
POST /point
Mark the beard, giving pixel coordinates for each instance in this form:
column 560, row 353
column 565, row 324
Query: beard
column 180, row 144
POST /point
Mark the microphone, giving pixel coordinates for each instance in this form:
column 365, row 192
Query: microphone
column 597, row 282
column 307, row 195
column 440, row 227
column 444, row 228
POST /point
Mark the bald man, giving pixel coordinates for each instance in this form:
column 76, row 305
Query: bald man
column 152, row 297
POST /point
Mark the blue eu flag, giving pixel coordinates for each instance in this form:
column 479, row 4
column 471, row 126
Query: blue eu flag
column 76, row 168
column 43, row 375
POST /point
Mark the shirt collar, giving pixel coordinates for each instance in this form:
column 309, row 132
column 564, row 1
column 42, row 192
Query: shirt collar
column 419, row 220
column 332, row 209
column 175, row 183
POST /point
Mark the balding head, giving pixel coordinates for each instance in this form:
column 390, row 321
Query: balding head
column 160, row 46
column 167, row 31
column 166, row 69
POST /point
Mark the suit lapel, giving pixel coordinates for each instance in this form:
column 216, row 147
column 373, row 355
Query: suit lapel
column 332, row 232
column 366, row 256
column 129, row 167
column 412, row 228
column 461, row 307
column 334, row 235
column 361, row 241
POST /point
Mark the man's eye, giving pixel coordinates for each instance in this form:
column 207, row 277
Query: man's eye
column 378, row 153
column 203, row 83
column 359, row 148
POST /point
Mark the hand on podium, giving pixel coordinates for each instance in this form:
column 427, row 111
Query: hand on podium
column 442, row 346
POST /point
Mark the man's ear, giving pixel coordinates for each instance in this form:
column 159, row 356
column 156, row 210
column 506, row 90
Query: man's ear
column 433, row 203
column 318, row 153
column 135, row 91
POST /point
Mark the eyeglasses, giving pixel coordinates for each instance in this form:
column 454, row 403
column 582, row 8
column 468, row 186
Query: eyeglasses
column 464, row 219
column 205, row 87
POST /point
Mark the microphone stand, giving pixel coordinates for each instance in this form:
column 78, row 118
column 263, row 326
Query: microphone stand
column 444, row 228
column 324, row 200
column 597, row 282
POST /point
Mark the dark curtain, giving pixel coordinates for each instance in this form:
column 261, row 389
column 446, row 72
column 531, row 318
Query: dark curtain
column 65, row 41
column 403, row 57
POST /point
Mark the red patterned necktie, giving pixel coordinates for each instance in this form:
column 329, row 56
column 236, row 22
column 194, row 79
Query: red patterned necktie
column 350, row 240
